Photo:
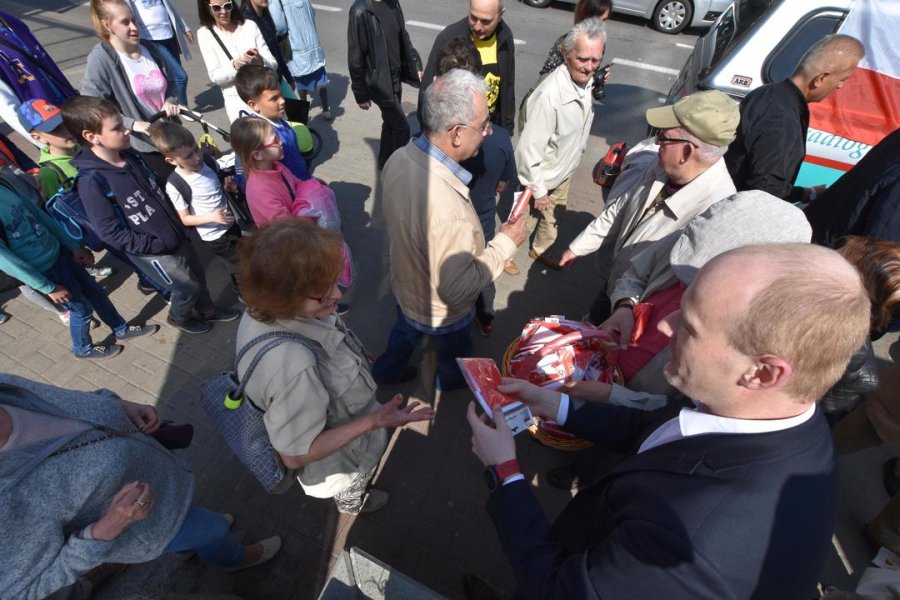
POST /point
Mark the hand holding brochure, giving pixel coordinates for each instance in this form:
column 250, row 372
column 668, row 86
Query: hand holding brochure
column 483, row 377
column 520, row 204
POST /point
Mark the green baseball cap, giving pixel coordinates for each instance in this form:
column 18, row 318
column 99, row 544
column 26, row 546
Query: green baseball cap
column 712, row 116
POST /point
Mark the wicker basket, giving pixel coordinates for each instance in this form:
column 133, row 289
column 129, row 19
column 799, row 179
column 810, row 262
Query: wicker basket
column 546, row 432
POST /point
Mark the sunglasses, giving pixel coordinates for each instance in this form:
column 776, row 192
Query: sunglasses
column 662, row 139
column 220, row 7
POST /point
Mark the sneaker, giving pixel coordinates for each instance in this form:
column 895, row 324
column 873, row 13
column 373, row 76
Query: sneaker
column 342, row 309
column 190, row 326
column 97, row 272
column 4, row 317
column 102, row 352
column 326, row 114
column 145, row 289
column 221, row 314
column 271, row 546
column 135, row 331
column 486, row 328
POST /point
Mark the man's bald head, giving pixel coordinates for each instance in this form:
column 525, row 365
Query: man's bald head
column 803, row 303
column 484, row 17
column 827, row 65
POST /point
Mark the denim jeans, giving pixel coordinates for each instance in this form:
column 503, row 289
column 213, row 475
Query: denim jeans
column 206, row 532
column 143, row 279
column 87, row 297
column 402, row 342
column 170, row 52
column 181, row 274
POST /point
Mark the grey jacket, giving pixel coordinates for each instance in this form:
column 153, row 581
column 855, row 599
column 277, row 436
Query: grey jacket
column 46, row 501
column 105, row 77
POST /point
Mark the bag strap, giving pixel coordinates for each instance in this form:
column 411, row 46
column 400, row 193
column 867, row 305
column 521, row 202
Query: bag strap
column 63, row 178
column 221, row 43
column 178, row 182
column 287, row 184
column 276, row 338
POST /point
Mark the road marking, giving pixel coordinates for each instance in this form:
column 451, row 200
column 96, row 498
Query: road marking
column 688, row 46
column 424, row 25
column 661, row 99
column 327, row 8
column 639, row 65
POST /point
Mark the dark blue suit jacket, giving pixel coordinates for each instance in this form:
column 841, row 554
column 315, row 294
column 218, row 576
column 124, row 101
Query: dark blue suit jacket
column 718, row 516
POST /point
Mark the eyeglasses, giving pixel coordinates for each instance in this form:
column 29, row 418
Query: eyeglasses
column 220, row 7
column 661, row 139
column 321, row 299
column 484, row 130
column 276, row 144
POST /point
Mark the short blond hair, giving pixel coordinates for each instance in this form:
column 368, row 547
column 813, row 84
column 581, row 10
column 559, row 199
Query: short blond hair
column 814, row 313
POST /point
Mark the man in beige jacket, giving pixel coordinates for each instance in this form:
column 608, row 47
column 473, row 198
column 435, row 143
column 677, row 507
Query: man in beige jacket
column 688, row 177
column 439, row 259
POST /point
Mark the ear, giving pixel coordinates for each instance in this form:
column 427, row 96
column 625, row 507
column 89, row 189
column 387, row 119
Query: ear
column 817, row 81
column 253, row 104
column 768, row 372
column 686, row 151
column 36, row 136
column 89, row 137
column 170, row 160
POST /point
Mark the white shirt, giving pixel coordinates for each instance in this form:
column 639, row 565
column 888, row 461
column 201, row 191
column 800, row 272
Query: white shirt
column 691, row 422
column 206, row 196
column 146, row 80
column 155, row 18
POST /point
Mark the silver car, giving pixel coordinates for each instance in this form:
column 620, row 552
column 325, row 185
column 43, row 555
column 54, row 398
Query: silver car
column 668, row 16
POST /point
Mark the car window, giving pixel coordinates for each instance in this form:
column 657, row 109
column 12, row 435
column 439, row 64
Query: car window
column 783, row 60
column 737, row 20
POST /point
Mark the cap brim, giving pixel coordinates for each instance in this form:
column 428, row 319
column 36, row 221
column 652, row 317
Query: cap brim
column 50, row 124
column 662, row 117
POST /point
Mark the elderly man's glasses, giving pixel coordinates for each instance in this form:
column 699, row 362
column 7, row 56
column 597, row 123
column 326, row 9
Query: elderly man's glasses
column 220, row 7
column 662, row 139
column 484, row 130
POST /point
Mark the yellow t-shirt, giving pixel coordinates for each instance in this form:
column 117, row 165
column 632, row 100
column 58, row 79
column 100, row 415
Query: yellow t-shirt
column 489, row 69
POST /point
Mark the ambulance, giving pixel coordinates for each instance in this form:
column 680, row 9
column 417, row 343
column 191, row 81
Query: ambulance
column 755, row 42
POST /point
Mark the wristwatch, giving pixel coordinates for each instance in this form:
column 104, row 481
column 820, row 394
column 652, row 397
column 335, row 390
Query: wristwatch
column 495, row 474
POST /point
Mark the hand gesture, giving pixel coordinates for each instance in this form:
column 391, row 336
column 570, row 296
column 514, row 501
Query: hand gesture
column 143, row 416
column 131, row 504
column 567, row 257
column 515, row 231
column 84, row 257
column 60, row 294
column 222, row 216
column 391, row 415
column 620, row 325
column 542, row 402
column 542, row 203
column 492, row 444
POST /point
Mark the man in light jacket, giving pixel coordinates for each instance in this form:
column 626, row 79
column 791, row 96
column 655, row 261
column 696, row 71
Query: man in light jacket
column 688, row 177
column 439, row 259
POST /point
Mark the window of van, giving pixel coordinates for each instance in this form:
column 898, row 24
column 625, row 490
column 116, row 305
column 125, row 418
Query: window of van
column 784, row 58
column 737, row 19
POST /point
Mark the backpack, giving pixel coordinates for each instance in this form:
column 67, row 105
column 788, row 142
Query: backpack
column 237, row 203
column 66, row 208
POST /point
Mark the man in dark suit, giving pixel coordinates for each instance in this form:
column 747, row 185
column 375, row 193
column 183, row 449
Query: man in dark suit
column 734, row 497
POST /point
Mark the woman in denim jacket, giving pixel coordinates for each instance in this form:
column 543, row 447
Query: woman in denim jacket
column 307, row 57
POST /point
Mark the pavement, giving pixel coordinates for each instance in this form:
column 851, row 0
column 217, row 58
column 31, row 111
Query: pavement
column 435, row 528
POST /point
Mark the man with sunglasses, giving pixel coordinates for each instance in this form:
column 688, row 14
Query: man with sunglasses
column 688, row 177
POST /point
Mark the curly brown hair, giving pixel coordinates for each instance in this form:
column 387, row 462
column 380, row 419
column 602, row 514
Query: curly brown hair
column 879, row 264
column 284, row 264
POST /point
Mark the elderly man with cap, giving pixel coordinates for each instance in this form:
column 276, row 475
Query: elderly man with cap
column 688, row 176
column 731, row 496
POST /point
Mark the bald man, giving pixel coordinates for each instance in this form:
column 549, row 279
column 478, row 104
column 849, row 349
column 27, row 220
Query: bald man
column 485, row 29
column 771, row 139
column 732, row 497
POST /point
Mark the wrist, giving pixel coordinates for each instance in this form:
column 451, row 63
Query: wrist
column 624, row 303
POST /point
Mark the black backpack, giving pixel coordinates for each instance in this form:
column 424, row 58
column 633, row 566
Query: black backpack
column 237, row 203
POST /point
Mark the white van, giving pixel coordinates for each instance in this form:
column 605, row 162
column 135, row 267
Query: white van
column 755, row 42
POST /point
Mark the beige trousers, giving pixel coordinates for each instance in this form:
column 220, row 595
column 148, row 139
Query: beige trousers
column 547, row 220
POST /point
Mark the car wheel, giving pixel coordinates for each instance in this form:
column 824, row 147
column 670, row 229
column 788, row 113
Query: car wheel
column 537, row 3
column 672, row 16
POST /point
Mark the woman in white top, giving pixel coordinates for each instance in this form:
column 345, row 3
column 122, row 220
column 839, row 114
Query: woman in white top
column 228, row 42
column 131, row 73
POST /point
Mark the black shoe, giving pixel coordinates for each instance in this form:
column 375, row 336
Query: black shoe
column 477, row 589
column 408, row 375
column 102, row 352
column 221, row 315
column 145, row 289
column 190, row 326
column 134, row 331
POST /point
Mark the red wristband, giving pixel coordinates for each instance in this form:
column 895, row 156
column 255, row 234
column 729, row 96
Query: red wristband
column 505, row 469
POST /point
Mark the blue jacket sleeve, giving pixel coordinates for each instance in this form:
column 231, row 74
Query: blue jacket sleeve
column 105, row 220
column 615, row 427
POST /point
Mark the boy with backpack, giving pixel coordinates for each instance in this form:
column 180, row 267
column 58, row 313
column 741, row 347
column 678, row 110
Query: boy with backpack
column 259, row 87
column 197, row 193
column 34, row 250
column 138, row 219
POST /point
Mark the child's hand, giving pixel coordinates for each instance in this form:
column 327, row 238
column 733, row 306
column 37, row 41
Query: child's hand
column 229, row 185
column 223, row 216
column 83, row 257
column 59, row 294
